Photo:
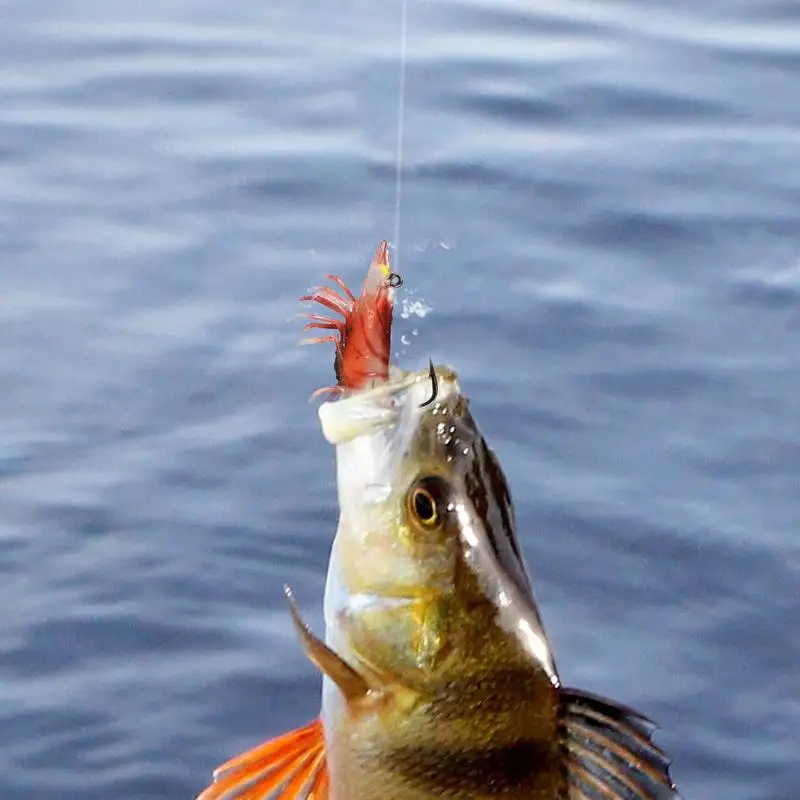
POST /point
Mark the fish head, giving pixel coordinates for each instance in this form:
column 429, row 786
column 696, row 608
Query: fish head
column 426, row 574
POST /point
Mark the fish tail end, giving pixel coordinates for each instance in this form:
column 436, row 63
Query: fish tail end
column 291, row 766
column 610, row 753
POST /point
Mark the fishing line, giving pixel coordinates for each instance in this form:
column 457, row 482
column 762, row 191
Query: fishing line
column 401, row 103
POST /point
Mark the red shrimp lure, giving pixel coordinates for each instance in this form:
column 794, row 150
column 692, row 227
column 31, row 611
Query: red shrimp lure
column 363, row 336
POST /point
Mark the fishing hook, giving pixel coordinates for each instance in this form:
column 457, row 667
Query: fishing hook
column 394, row 280
column 434, row 385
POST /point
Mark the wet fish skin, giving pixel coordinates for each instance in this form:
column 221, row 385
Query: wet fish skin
column 439, row 680
column 442, row 621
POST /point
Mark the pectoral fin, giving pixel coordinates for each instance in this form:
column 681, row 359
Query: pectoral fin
column 610, row 755
column 290, row 767
column 352, row 685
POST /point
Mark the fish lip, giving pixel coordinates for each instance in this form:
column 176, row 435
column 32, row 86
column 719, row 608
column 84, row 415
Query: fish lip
column 370, row 410
column 401, row 381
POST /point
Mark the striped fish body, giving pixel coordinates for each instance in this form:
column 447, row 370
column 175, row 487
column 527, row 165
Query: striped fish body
column 439, row 680
column 486, row 726
column 433, row 604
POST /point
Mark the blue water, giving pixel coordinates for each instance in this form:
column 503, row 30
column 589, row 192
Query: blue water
column 601, row 205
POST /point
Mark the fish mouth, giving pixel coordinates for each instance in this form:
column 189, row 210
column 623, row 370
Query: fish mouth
column 404, row 398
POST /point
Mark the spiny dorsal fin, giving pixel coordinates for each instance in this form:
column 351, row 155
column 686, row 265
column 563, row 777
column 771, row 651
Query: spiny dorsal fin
column 610, row 754
column 292, row 766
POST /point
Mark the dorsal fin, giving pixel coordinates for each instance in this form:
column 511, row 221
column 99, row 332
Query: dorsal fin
column 292, row 766
column 610, row 754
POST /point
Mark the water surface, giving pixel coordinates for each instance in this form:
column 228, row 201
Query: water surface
column 600, row 203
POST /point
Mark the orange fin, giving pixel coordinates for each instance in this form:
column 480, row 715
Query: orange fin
column 290, row 767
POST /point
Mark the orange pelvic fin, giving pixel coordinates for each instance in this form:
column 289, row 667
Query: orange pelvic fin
column 290, row 767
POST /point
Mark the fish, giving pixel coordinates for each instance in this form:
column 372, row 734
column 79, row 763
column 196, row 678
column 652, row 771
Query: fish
column 363, row 335
column 438, row 678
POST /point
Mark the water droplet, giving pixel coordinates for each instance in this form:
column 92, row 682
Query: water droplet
column 417, row 308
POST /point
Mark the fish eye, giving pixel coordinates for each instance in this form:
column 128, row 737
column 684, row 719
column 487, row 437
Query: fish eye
column 424, row 502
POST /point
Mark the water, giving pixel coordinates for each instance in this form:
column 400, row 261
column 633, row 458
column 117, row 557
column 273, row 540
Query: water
column 600, row 204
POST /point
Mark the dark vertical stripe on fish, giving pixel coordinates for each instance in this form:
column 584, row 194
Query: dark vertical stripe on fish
column 475, row 772
column 493, row 692
column 490, row 496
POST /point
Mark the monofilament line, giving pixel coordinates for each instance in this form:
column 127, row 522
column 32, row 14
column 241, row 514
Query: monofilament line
column 401, row 109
